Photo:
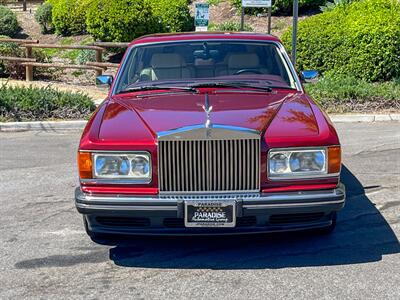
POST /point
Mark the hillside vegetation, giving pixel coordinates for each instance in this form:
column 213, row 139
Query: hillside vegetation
column 361, row 39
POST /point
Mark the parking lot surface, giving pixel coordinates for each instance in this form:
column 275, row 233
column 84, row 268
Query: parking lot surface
column 45, row 252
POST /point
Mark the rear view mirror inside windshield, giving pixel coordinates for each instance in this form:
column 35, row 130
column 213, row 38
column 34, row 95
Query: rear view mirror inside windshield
column 206, row 54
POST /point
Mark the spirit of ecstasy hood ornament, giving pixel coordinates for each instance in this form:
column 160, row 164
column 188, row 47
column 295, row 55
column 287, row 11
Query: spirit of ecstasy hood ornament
column 207, row 108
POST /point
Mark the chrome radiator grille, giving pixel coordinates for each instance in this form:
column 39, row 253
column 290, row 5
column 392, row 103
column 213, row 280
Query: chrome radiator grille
column 209, row 165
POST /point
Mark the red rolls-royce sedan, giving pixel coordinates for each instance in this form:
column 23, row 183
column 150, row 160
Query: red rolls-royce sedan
column 208, row 133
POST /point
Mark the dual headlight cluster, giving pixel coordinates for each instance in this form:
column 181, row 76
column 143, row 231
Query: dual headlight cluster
column 297, row 163
column 128, row 166
column 289, row 163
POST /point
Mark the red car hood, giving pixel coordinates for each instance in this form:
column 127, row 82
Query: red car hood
column 283, row 113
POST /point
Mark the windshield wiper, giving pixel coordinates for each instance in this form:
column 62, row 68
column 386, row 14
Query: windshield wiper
column 155, row 87
column 236, row 85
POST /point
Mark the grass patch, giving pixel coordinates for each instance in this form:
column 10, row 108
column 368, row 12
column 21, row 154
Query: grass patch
column 343, row 93
column 87, row 41
column 38, row 104
column 67, row 41
column 51, row 52
column 213, row 2
column 229, row 26
column 72, row 55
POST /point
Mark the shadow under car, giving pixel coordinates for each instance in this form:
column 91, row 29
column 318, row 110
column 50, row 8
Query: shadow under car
column 362, row 235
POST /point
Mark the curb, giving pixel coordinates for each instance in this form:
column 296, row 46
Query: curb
column 42, row 126
column 368, row 118
column 52, row 126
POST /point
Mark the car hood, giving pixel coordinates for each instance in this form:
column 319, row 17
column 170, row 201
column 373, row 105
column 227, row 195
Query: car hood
column 283, row 113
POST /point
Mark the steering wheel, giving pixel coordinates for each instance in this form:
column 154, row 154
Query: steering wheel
column 247, row 71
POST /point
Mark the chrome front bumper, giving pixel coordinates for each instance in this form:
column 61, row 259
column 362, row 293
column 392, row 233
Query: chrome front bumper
column 333, row 198
column 259, row 207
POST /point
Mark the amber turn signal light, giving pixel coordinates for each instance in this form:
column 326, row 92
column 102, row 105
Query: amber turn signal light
column 85, row 165
column 334, row 159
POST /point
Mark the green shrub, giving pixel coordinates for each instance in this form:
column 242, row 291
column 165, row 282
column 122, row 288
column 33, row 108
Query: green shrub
column 31, row 103
column 174, row 15
column 43, row 16
column 331, row 5
column 361, row 39
column 69, row 16
column 229, row 26
column 85, row 56
column 8, row 22
column 284, row 7
column 120, row 20
column 343, row 93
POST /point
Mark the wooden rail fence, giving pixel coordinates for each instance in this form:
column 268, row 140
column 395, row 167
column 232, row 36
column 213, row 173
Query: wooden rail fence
column 30, row 62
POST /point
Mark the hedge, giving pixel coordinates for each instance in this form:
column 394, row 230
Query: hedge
column 360, row 39
column 8, row 22
column 31, row 103
column 69, row 16
column 174, row 15
column 44, row 16
column 120, row 20
column 284, row 7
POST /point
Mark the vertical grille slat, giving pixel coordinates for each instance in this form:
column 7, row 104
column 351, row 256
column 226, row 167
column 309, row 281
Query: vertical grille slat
column 209, row 165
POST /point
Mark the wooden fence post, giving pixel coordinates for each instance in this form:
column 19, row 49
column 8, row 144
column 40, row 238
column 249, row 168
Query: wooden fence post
column 29, row 69
column 99, row 59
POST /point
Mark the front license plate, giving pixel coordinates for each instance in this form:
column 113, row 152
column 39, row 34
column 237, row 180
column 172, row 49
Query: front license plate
column 210, row 213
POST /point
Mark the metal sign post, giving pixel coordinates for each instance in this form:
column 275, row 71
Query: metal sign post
column 294, row 32
column 201, row 16
column 269, row 19
column 242, row 19
column 256, row 3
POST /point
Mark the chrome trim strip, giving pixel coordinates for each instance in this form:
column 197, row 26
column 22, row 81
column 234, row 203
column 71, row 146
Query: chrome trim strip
column 285, row 205
column 115, row 181
column 216, row 132
column 119, row 207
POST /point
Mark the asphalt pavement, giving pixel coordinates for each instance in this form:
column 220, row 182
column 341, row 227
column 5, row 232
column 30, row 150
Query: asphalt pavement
column 46, row 254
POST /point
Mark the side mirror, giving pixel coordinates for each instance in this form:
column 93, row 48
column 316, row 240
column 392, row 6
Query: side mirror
column 309, row 76
column 103, row 80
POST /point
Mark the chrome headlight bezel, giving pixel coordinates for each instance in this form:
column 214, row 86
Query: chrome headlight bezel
column 120, row 179
column 302, row 174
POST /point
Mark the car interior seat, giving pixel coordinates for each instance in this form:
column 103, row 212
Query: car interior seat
column 240, row 61
column 164, row 66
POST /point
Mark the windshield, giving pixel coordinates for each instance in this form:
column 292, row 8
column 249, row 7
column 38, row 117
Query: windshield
column 205, row 61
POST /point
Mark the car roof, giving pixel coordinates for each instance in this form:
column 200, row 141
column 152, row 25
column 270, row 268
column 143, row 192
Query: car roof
column 188, row 36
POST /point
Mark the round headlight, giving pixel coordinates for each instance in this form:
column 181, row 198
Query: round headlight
column 278, row 163
column 140, row 166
